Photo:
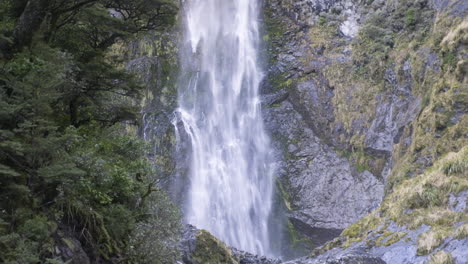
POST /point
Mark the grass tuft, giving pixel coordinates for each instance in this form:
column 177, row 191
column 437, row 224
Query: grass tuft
column 441, row 257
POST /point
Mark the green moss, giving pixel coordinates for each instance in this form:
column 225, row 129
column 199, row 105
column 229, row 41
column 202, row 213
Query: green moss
column 322, row 36
column 274, row 27
column 274, row 33
column 284, row 194
column 354, row 103
column 394, row 238
column 297, row 240
column 280, row 81
column 322, row 21
column 441, row 92
column 38, row 228
column 410, row 17
column 274, row 106
column 210, row 250
column 360, row 229
column 363, row 161
column 337, row 242
column 450, row 58
column 385, row 234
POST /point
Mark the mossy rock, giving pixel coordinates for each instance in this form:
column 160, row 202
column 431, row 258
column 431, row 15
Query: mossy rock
column 210, row 250
column 395, row 238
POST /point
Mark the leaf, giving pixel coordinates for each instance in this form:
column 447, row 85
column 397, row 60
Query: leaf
column 61, row 171
column 8, row 171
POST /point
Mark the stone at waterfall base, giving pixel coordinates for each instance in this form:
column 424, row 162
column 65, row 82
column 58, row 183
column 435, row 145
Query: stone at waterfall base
column 198, row 246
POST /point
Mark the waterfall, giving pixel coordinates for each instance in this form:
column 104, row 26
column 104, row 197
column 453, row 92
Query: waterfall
column 231, row 177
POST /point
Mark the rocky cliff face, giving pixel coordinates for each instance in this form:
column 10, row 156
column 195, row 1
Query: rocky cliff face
column 327, row 187
column 155, row 61
column 362, row 97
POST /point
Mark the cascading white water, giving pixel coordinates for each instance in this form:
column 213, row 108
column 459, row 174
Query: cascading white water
column 231, row 180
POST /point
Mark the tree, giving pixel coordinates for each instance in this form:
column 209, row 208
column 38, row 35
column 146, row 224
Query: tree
column 66, row 159
column 128, row 17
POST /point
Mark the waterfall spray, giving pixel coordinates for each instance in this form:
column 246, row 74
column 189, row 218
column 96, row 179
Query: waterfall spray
column 231, row 178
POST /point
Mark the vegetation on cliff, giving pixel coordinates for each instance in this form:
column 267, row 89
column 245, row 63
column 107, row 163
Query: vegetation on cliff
column 392, row 100
column 75, row 182
column 422, row 200
column 411, row 45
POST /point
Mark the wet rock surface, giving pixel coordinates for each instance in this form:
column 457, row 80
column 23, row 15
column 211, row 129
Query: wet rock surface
column 459, row 202
column 196, row 250
column 335, row 164
column 326, row 190
column 403, row 251
column 354, row 256
column 69, row 247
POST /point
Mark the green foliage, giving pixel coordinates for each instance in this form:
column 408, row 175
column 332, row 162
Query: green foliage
column 372, row 47
column 455, row 167
column 98, row 23
column 69, row 171
column 430, row 196
column 450, row 58
column 322, row 21
column 31, row 240
column 388, row 31
column 7, row 21
column 155, row 239
column 410, row 17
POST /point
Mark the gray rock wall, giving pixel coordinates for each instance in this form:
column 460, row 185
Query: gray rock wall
column 155, row 60
column 344, row 133
column 326, row 190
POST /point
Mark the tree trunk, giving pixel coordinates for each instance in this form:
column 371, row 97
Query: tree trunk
column 73, row 107
column 29, row 23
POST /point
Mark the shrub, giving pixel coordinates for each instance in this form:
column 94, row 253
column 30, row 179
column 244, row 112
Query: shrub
column 429, row 196
column 410, row 17
column 322, row 21
column 430, row 240
column 441, row 257
column 453, row 167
